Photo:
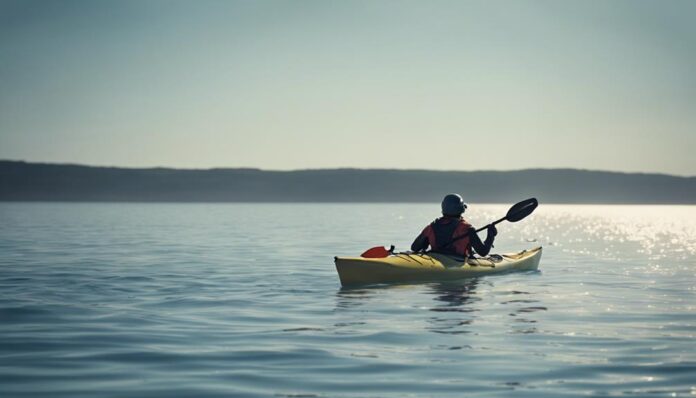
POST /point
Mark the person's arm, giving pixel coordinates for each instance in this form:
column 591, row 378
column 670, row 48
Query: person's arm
column 482, row 248
column 421, row 243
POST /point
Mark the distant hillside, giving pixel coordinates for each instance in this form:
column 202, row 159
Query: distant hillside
column 21, row 181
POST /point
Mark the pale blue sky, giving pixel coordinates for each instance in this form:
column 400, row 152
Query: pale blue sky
column 454, row 85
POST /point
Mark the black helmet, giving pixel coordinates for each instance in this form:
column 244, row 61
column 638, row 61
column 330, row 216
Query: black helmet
column 453, row 205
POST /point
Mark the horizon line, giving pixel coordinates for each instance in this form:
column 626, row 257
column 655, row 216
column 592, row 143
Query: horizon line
column 339, row 168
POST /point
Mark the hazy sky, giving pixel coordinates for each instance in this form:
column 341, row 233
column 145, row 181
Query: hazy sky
column 455, row 85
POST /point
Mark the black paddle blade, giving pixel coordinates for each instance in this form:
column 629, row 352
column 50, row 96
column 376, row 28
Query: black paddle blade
column 521, row 210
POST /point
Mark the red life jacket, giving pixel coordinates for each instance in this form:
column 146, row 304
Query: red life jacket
column 443, row 230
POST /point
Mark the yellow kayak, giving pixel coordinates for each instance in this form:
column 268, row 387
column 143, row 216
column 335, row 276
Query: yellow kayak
column 417, row 267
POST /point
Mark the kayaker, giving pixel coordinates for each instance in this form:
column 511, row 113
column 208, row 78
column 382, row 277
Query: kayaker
column 451, row 234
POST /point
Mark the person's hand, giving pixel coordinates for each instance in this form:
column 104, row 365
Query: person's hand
column 492, row 231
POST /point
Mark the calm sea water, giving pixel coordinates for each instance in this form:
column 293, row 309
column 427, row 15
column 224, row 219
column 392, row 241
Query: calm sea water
column 227, row 300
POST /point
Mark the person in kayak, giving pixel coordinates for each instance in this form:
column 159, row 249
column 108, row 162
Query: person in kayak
column 451, row 234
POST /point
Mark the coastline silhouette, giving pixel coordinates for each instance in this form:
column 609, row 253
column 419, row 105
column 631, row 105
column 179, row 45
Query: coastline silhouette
column 23, row 181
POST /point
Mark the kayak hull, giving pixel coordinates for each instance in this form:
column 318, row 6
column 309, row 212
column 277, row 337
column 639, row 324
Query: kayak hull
column 419, row 267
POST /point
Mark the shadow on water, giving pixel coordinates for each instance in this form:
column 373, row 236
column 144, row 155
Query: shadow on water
column 453, row 296
column 456, row 306
column 454, row 293
column 351, row 297
column 453, row 310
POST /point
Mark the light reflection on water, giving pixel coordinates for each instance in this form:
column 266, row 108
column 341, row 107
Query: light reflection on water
column 656, row 232
column 221, row 300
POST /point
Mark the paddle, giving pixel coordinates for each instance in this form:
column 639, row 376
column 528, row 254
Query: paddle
column 516, row 213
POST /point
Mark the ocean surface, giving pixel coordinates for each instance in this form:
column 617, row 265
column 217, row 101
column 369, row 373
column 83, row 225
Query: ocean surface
column 243, row 300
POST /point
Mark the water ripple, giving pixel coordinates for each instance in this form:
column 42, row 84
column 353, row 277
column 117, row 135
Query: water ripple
column 218, row 300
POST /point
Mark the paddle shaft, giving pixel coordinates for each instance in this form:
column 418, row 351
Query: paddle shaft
column 493, row 223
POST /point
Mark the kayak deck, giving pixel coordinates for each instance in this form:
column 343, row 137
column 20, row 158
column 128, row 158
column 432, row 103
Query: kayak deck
column 417, row 267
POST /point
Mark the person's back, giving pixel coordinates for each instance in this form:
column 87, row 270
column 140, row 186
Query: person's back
column 451, row 234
